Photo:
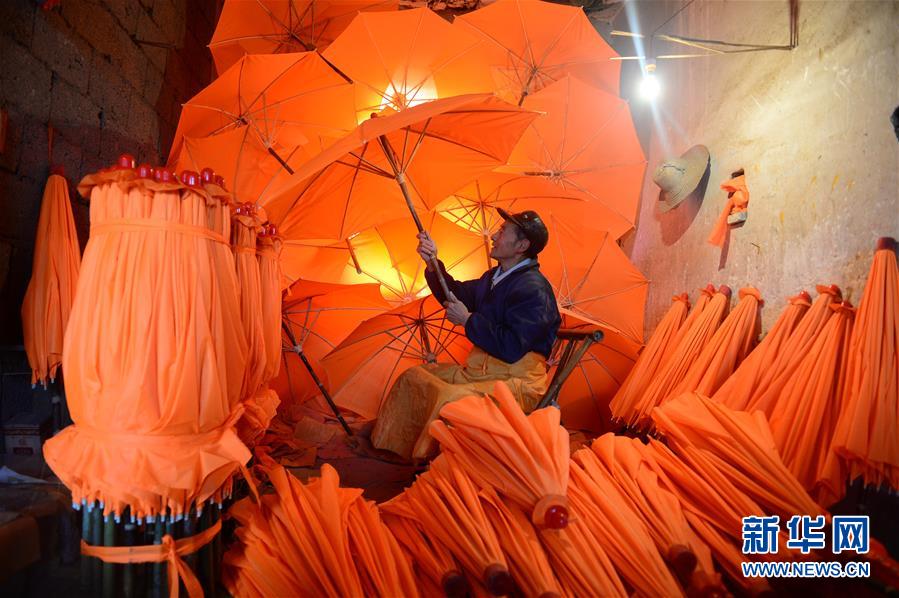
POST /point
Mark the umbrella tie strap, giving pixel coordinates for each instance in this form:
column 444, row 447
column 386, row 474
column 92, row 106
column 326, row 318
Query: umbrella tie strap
column 148, row 225
column 170, row 551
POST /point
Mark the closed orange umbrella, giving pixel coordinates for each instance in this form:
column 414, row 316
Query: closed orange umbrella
column 866, row 432
column 524, row 458
column 585, row 396
column 154, row 350
column 702, row 301
column 580, row 562
column 805, row 414
column 737, row 389
column 585, row 145
column 527, row 45
column 279, row 26
column 682, row 357
column 398, row 159
column 622, row 405
column 54, row 277
column 732, row 341
column 767, row 388
column 268, row 254
column 400, row 59
column 286, row 100
column 363, row 367
column 624, row 536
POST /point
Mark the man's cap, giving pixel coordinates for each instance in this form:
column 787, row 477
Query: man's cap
column 531, row 225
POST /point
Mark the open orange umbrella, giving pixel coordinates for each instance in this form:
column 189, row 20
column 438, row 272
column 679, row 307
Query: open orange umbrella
column 399, row 59
column 279, row 26
column 650, row 358
column 286, row 100
column 688, row 349
column 584, row 398
column 805, row 414
column 585, row 144
column 865, row 435
column 737, row 389
column 767, row 388
column 524, row 458
column 54, row 277
column 363, row 367
column 624, row 537
column 526, row 45
column 154, row 350
column 732, row 341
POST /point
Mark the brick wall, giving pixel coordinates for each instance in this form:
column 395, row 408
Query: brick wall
column 86, row 67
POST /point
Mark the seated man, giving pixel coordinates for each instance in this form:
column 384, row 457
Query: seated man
column 511, row 317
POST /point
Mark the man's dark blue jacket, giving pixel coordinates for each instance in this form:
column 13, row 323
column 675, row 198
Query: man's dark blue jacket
column 517, row 316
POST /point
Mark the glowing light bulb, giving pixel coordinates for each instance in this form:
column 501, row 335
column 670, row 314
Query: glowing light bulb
column 650, row 88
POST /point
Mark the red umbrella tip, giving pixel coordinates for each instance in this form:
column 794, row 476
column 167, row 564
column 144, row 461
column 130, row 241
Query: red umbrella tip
column 831, row 289
column 556, row 517
column 454, row 585
column 125, row 161
column 682, row 560
column 710, row 289
column 498, row 580
column 220, row 181
column 162, row 174
column 888, row 243
column 58, row 169
column 208, row 175
column 190, row 178
column 145, row 171
column 805, row 296
column 725, row 290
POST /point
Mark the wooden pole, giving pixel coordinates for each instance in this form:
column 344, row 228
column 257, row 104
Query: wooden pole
column 85, row 560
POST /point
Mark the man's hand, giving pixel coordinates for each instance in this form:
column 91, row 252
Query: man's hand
column 427, row 249
column 456, row 312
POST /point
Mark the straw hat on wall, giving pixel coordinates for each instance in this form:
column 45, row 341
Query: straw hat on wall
column 678, row 177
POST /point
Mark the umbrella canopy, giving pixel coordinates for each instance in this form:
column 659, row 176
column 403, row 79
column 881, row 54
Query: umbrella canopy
column 403, row 58
column 738, row 388
column 279, row 26
column 319, row 316
column 866, row 435
column 154, row 349
column 585, row 396
column 805, row 414
column 54, row 277
column 363, row 367
column 524, row 458
column 526, row 45
column 586, row 145
column 622, row 406
column 784, row 367
column 400, row 160
column 387, row 254
column 688, row 349
column 732, row 341
column 287, row 101
column 592, row 277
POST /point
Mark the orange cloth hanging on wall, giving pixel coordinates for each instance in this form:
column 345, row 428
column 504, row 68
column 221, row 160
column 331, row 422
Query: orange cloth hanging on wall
column 154, row 350
column 54, row 276
column 738, row 202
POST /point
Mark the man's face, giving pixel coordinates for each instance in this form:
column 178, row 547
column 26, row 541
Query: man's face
column 506, row 243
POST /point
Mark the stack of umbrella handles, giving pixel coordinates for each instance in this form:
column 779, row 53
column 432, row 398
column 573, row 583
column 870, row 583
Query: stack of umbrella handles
column 189, row 178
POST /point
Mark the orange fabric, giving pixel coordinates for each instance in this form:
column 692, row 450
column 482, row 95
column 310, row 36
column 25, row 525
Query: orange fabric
column 584, row 146
column 805, row 414
column 620, row 531
column 154, row 352
column 580, row 562
column 702, row 301
column 363, row 367
column 524, row 458
column 623, row 403
column 585, row 396
column 738, row 388
column 767, row 388
column 691, row 344
column 865, row 436
column 527, row 45
column 738, row 202
column 277, row 26
column 169, row 551
column 54, row 276
column 286, row 99
column 732, row 341
column 400, row 59
column 268, row 255
column 330, row 195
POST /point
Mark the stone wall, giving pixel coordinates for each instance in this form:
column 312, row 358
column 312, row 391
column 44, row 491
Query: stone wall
column 110, row 76
column 811, row 127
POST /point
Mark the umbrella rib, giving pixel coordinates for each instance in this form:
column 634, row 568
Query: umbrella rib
column 596, row 133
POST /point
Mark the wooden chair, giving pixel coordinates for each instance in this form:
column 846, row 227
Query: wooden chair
column 571, row 344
